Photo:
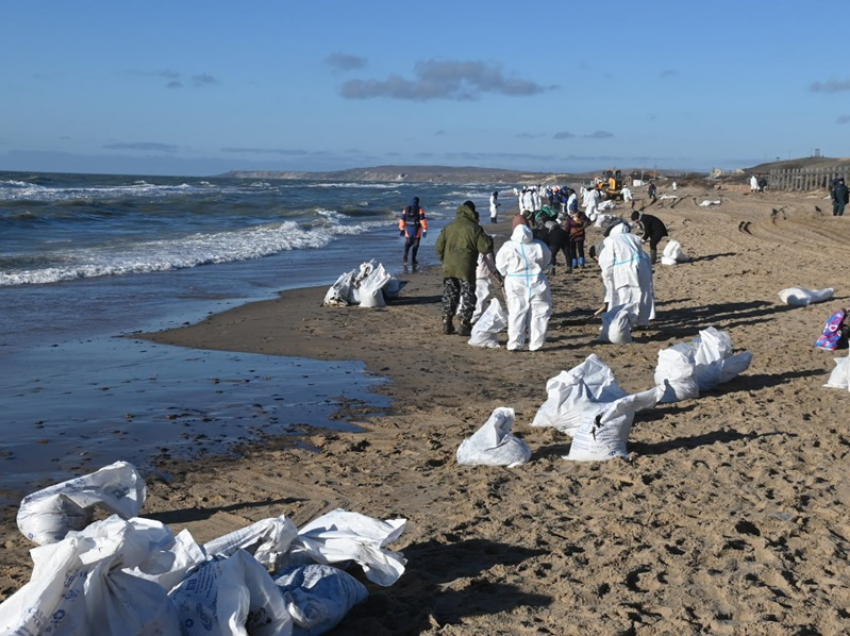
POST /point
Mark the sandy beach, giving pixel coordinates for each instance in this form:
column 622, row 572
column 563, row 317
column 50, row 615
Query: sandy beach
column 728, row 519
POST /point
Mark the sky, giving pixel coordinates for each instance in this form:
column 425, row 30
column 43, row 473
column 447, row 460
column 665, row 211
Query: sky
column 198, row 88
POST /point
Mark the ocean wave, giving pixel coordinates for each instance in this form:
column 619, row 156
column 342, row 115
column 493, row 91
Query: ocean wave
column 186, row 252
column 19, row 191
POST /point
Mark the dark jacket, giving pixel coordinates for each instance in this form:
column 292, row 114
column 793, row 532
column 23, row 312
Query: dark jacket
column 460, row 243
column 653, row 228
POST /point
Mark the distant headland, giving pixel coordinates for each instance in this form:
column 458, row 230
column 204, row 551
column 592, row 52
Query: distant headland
column 469, row 174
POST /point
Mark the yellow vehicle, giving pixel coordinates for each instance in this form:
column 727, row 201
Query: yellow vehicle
column 610, row 185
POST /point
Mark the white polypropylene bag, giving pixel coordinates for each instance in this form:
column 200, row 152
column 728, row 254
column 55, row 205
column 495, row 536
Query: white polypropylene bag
column 267, row 540
column 493, row 444
column 341, row 536
column 318, row 596
column 605, row 429
column 392, row 288
column 798, row 297
column 485, row 332
column 707, row 203
column 840, row 376
column 47, row 515
column 169, row 557
column 570, row 392
column 675, row 373
column 339, row 292
column 371, row 287
column 79, row 586
column 230, row 596
column 673, row 253
column 713, row 359
column 617, row 324
column 603, row 221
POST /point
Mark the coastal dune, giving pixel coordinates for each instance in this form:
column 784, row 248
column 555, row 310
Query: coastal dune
column 729, row 518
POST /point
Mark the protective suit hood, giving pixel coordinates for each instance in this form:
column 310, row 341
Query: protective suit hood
column 619, row 227
column 465, row 212
column 522, row 234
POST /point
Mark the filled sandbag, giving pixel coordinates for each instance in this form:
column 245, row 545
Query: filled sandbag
column 47, row 515
column 233, row 595
column 81, row 584
column 339, row 293
column 617, row 324
column 493, row 444
column 604, row 429
column 485, row 331
column 799, row 297
column 673, row 254
column 675, row 373
column 840, row 376
column 570, row 392
column 318, row 597
column 372, row 285
column 714, row 362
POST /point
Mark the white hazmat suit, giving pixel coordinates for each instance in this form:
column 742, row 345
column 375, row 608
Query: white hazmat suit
column 627, row 273
column 522, row 261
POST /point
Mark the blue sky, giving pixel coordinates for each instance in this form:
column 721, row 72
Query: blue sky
column 184, row 87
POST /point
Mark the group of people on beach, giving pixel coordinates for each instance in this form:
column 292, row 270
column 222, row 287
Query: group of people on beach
column 522, row 265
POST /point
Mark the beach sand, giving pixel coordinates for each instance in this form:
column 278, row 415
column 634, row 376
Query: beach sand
column 728, row 519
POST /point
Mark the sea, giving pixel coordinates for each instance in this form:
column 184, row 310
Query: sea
column 87, row 261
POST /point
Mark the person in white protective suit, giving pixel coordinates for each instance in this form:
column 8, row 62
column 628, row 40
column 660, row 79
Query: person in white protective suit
column 627, row 273
column 522, row 262
column 591, row 204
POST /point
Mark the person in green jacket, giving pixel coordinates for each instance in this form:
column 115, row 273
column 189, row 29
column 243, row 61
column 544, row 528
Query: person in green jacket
column 458, row 247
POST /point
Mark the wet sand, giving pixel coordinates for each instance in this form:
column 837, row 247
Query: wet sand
column 728, row 519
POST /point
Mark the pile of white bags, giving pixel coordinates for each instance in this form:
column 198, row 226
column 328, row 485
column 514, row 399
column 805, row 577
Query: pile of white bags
column 617, row 324
column 688, row 368
column 485, row 331
column 570, row 392
column 369, row 286
column 133, row 576
column 493, row 444
column 799, row 297
column 673, row 254
column 605, row 428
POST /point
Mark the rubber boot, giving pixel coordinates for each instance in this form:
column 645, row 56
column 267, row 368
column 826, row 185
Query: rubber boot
column 465, row 328
column 448, row 327
column 581, row 261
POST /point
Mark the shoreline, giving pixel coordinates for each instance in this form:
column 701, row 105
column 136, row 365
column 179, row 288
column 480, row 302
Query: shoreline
column 729, row 515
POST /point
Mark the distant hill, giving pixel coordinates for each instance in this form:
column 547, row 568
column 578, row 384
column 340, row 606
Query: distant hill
column 417, row 174
column 804, row 162
column 470, row 174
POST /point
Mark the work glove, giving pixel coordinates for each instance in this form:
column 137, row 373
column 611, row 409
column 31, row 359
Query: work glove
column 401, row 233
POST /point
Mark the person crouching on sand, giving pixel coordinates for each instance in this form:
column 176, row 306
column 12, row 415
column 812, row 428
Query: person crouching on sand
column 522, row 261
column 458, row 247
